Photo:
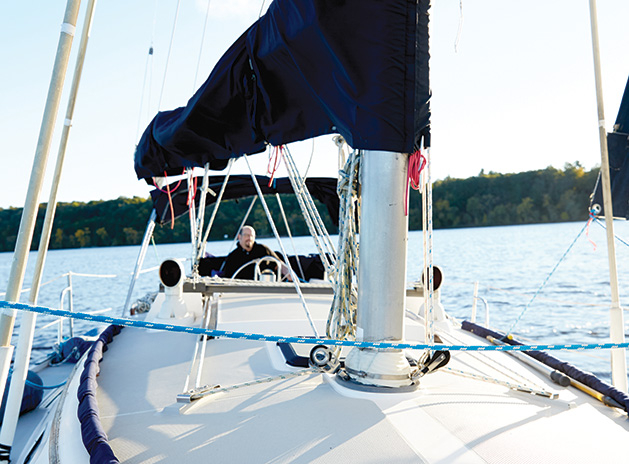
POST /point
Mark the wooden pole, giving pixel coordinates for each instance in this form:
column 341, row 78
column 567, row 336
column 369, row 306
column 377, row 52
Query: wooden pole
column 617, row 334
column 31, row 205
column 25, row 341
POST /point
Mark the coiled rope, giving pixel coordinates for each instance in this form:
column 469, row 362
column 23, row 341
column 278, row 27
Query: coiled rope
column 342, row 317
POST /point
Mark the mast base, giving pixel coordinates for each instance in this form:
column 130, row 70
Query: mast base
column 381, row 368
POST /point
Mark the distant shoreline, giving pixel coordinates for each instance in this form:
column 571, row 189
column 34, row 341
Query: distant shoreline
column 534, row 197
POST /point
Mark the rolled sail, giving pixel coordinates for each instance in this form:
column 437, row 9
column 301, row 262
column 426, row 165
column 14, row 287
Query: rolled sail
column 306, row 68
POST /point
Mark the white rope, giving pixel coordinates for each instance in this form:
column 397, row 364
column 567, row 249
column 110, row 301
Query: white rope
column 311, row 215
column 309, row 210
column 309, row 162
column 428, row 258
column 341, row 322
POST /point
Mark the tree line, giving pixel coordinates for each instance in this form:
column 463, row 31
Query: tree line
column 547, row 195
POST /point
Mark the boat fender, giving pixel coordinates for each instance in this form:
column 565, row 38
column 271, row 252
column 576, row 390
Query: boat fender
column 71, row 350
column 32, row 394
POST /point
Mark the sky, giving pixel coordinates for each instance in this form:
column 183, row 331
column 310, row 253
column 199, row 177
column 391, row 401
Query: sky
column 513, row 91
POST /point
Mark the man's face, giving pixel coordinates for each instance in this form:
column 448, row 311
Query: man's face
column 246, row 238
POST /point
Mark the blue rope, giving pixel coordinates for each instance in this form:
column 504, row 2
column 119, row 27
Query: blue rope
column 36, row 385
column 304, row 341
column 44, row 387
column 541, row 287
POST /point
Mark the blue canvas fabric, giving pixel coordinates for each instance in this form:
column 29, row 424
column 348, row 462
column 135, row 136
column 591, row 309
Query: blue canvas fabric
column 622, row 120
column 31, row 397
column 240, row 186
column 306, row 68
column 92, row 433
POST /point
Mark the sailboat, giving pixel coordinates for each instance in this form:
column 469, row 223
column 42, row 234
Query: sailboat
column 271, row 371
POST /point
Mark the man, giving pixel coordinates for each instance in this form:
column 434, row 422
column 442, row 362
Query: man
column 248, row 250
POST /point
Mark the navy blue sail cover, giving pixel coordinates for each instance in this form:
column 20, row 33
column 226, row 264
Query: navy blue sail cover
column 306, row 68
column 618, row 149
column 240, row 186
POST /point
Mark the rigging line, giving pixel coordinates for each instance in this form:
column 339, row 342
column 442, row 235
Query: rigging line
column 155, row 248
column 427, row 271
column 460, row 29
column 519, row 387
column 600, row 223
column 201, row 214
column 301, row 191
column 154, row 21
column 24, row 290
column 148, row 71
column 217, row 203
column 550, row 300
column 490, row 362
column 192, row 190
column 203, row 342
column 242, row 224
column 279, row 241
column 305, row 176
column 541, row 287
column 170, row 47
column 275, row 159
column 146, row 68
column 290, row 235
column 196, row 74
column 311, row 215
column 170, row 202
column 261, row 8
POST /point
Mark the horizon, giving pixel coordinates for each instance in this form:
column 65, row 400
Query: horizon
column 521, row 82
column 448, row 178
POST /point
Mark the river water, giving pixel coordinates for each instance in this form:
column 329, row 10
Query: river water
column 509, row 263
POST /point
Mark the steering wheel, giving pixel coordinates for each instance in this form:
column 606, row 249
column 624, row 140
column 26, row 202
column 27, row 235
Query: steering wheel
column 257, row 272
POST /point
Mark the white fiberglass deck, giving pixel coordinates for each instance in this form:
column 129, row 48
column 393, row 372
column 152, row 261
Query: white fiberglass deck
column 314, row 419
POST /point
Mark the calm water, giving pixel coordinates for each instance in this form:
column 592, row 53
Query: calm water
column 510, row 264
